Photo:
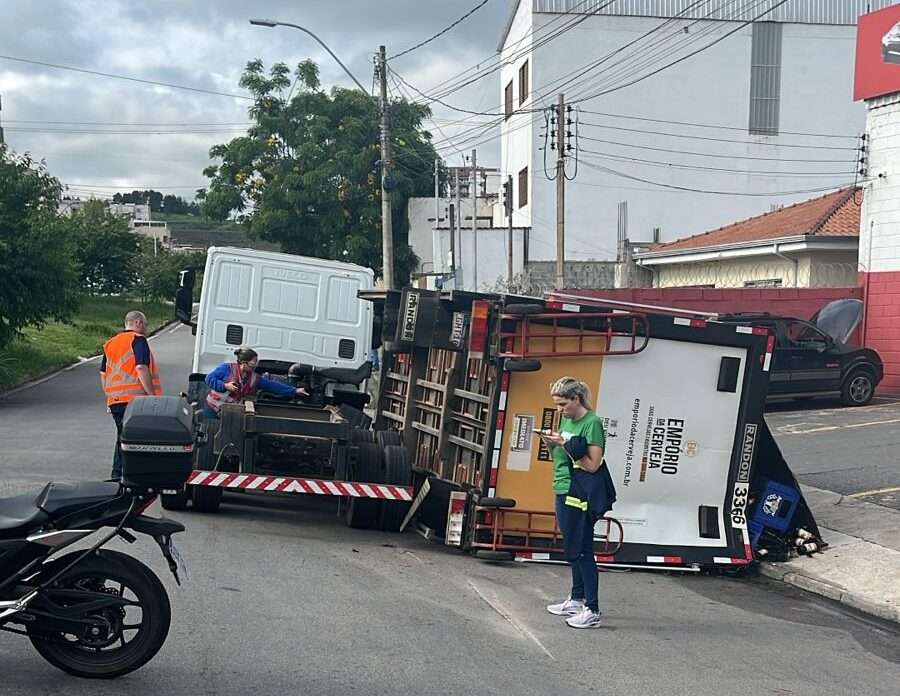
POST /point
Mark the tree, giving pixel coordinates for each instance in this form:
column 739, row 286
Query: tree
column 105, row 249
column 158, row 271
column 307, row 173
column 153, row 198
column 39, row 274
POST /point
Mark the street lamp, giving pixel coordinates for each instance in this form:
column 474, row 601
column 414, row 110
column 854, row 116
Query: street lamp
column 387, row 231
column 272, row 23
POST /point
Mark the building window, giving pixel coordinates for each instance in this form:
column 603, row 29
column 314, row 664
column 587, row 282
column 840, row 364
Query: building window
column 523, row 83
column 523, row 188
column 765, row 78
column 767, row 283
column 508, row 99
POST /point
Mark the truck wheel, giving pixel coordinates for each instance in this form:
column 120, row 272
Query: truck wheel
column 175, row 501
column 858, row 389
column 523, row 309
column 398, row 472
column 362, row 513
column 206, row 498
column 522, row 365
column 362, row 437
column 389, row 438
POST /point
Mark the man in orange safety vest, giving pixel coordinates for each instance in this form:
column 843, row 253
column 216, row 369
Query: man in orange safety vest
column 127, row 371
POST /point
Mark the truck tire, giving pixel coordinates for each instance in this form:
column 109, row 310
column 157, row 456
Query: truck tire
column 175, row 501
column 398, row 472
column 522, row 310
column 522, row 365
column 495, row 502
column 858, row 389
column 206, row 498
column 389, row 438
column 363, row 513
column 362, row 437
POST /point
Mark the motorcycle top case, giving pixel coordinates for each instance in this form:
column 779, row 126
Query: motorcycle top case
column 157, row 442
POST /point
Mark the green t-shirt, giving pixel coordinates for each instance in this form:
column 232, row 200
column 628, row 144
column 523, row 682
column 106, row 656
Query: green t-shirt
column 589, row 427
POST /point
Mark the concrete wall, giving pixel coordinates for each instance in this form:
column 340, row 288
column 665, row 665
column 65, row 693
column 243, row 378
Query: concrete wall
column 711, row 88
column 812, row 270
column 879, row 247
column 802, row 303
column 540, row 276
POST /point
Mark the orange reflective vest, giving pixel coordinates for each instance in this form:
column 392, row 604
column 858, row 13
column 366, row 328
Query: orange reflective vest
column 120, row 381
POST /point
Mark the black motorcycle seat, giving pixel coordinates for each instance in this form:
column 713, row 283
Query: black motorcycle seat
column 60, row 498
column 21, row 512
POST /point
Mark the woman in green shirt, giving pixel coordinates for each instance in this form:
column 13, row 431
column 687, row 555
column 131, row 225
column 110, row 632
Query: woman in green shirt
column 583, row 495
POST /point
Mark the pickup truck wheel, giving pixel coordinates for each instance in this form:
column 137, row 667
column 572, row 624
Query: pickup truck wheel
column 398, row 472
column 206, row 498
column 858, row 388
column 175, row 501
column 363, row 513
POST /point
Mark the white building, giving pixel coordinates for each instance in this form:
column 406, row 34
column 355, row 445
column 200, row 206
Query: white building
column 759, row 94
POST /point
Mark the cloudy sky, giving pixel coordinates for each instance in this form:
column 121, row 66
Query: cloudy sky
column 102, row 135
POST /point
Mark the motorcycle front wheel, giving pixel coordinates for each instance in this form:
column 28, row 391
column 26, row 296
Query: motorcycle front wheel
column 132, row 634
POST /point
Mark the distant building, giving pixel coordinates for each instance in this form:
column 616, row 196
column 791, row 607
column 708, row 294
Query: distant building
column 805, row 245
column 735, row 117
column 137, row 214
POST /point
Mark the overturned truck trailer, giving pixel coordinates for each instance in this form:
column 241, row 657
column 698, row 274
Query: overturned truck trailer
column 699, row 478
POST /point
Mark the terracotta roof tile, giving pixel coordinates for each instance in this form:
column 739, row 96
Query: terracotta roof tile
column 835, row 214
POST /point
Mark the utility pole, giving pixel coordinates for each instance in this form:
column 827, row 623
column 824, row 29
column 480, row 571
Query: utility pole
column 473, row 191
column 457, row 223
column 437, row 249
column 1, row 125
column 508, row 203
column 387, row 182
column 561, row 193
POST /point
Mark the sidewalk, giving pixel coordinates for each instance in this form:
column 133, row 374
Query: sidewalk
column 861, row 566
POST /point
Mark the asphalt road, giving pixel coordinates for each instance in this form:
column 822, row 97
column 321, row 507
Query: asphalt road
column 853, row 451
column 283, row 599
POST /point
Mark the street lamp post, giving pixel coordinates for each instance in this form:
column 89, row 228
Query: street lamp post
column 387, row 236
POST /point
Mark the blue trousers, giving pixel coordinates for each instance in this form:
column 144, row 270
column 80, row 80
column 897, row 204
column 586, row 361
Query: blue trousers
column 118, row 413
column 577, row 527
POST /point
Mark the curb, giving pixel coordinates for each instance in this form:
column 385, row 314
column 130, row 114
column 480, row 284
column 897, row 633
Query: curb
column 46, row 377
column 830, row 591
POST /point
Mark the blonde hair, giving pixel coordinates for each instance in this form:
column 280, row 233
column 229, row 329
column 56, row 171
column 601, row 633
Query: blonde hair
column 571, row 388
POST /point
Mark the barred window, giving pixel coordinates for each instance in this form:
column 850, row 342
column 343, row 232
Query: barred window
column 765, row 78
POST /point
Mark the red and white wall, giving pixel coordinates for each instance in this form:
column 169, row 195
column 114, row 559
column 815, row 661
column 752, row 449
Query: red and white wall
column 879, row 243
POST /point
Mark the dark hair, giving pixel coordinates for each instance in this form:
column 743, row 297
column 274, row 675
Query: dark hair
column 245, row 355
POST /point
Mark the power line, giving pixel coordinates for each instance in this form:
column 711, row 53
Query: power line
column 84, row 131
column 441, row 32
column 741, row 26
column 707, row 191
column 713, row 154
column 742, row 172
column 117, row 123
column 125, row 77
column 708, row 125
column 721, row 140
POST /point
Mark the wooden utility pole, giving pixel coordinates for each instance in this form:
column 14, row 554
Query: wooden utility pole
column 509, row 218
column 457, row 223
column 561, row 193
column 473, row 192
column 387, row 183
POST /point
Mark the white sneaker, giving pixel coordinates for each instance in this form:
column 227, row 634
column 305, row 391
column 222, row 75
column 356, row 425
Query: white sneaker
column 584, row 619
column 570, row 607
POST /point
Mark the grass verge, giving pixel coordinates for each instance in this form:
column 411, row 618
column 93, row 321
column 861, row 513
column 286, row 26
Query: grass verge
column 57, row 344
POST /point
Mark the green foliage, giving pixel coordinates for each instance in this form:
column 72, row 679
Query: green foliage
column 105, row 249
column 153, row 198
column 307, row 174
column 158, row 272
column 37, row 267
column 40, row 350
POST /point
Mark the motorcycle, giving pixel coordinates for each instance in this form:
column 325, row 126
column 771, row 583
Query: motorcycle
column 94, row 613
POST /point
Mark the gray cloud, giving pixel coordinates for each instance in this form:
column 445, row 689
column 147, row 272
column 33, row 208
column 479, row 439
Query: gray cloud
column 205, row 45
